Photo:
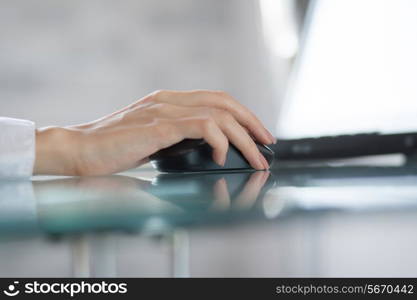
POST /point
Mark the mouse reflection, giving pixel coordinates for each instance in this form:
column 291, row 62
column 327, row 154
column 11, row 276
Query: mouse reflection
column 245, row 199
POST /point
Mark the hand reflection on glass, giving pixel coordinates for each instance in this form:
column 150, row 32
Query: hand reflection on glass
column 99, row 195
column 246, row 198
column 107, row 202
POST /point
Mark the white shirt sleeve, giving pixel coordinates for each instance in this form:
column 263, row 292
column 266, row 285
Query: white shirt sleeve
column 17, row 147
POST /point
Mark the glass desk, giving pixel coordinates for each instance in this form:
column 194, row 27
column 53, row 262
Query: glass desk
column 319, row 219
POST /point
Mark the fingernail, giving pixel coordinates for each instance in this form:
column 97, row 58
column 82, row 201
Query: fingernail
column 222, row 161
column 271, row 138
column 265, row 163
column 219, row 160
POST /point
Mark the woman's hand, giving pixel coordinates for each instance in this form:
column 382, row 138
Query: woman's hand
column 126, row 138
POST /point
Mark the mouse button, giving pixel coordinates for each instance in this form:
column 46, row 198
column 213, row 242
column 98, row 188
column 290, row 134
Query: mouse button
column 181, row 148
column 187, row 145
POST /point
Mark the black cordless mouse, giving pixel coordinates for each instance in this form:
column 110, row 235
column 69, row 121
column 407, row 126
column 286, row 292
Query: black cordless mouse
column 195, row 155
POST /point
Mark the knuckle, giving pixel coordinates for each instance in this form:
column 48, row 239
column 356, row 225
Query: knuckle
column 197, row 91
column 206, row 124
column 227, row 99
column 160, row 107
column 225, row 115
column 222, row 116
column 228, row 103
column 214, row 112
column 157, row 107
column 221, row 94
column 158, row 95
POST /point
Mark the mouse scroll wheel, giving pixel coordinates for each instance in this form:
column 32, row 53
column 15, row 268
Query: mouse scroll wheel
column 189, row 144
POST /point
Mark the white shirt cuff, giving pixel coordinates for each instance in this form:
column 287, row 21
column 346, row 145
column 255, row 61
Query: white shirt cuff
column 17, row 147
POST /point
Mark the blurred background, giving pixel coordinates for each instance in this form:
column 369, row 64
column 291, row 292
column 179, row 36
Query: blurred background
column 304, row 67
column 64, row 63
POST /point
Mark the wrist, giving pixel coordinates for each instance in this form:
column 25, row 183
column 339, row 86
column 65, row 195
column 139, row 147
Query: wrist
column 56, row 149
